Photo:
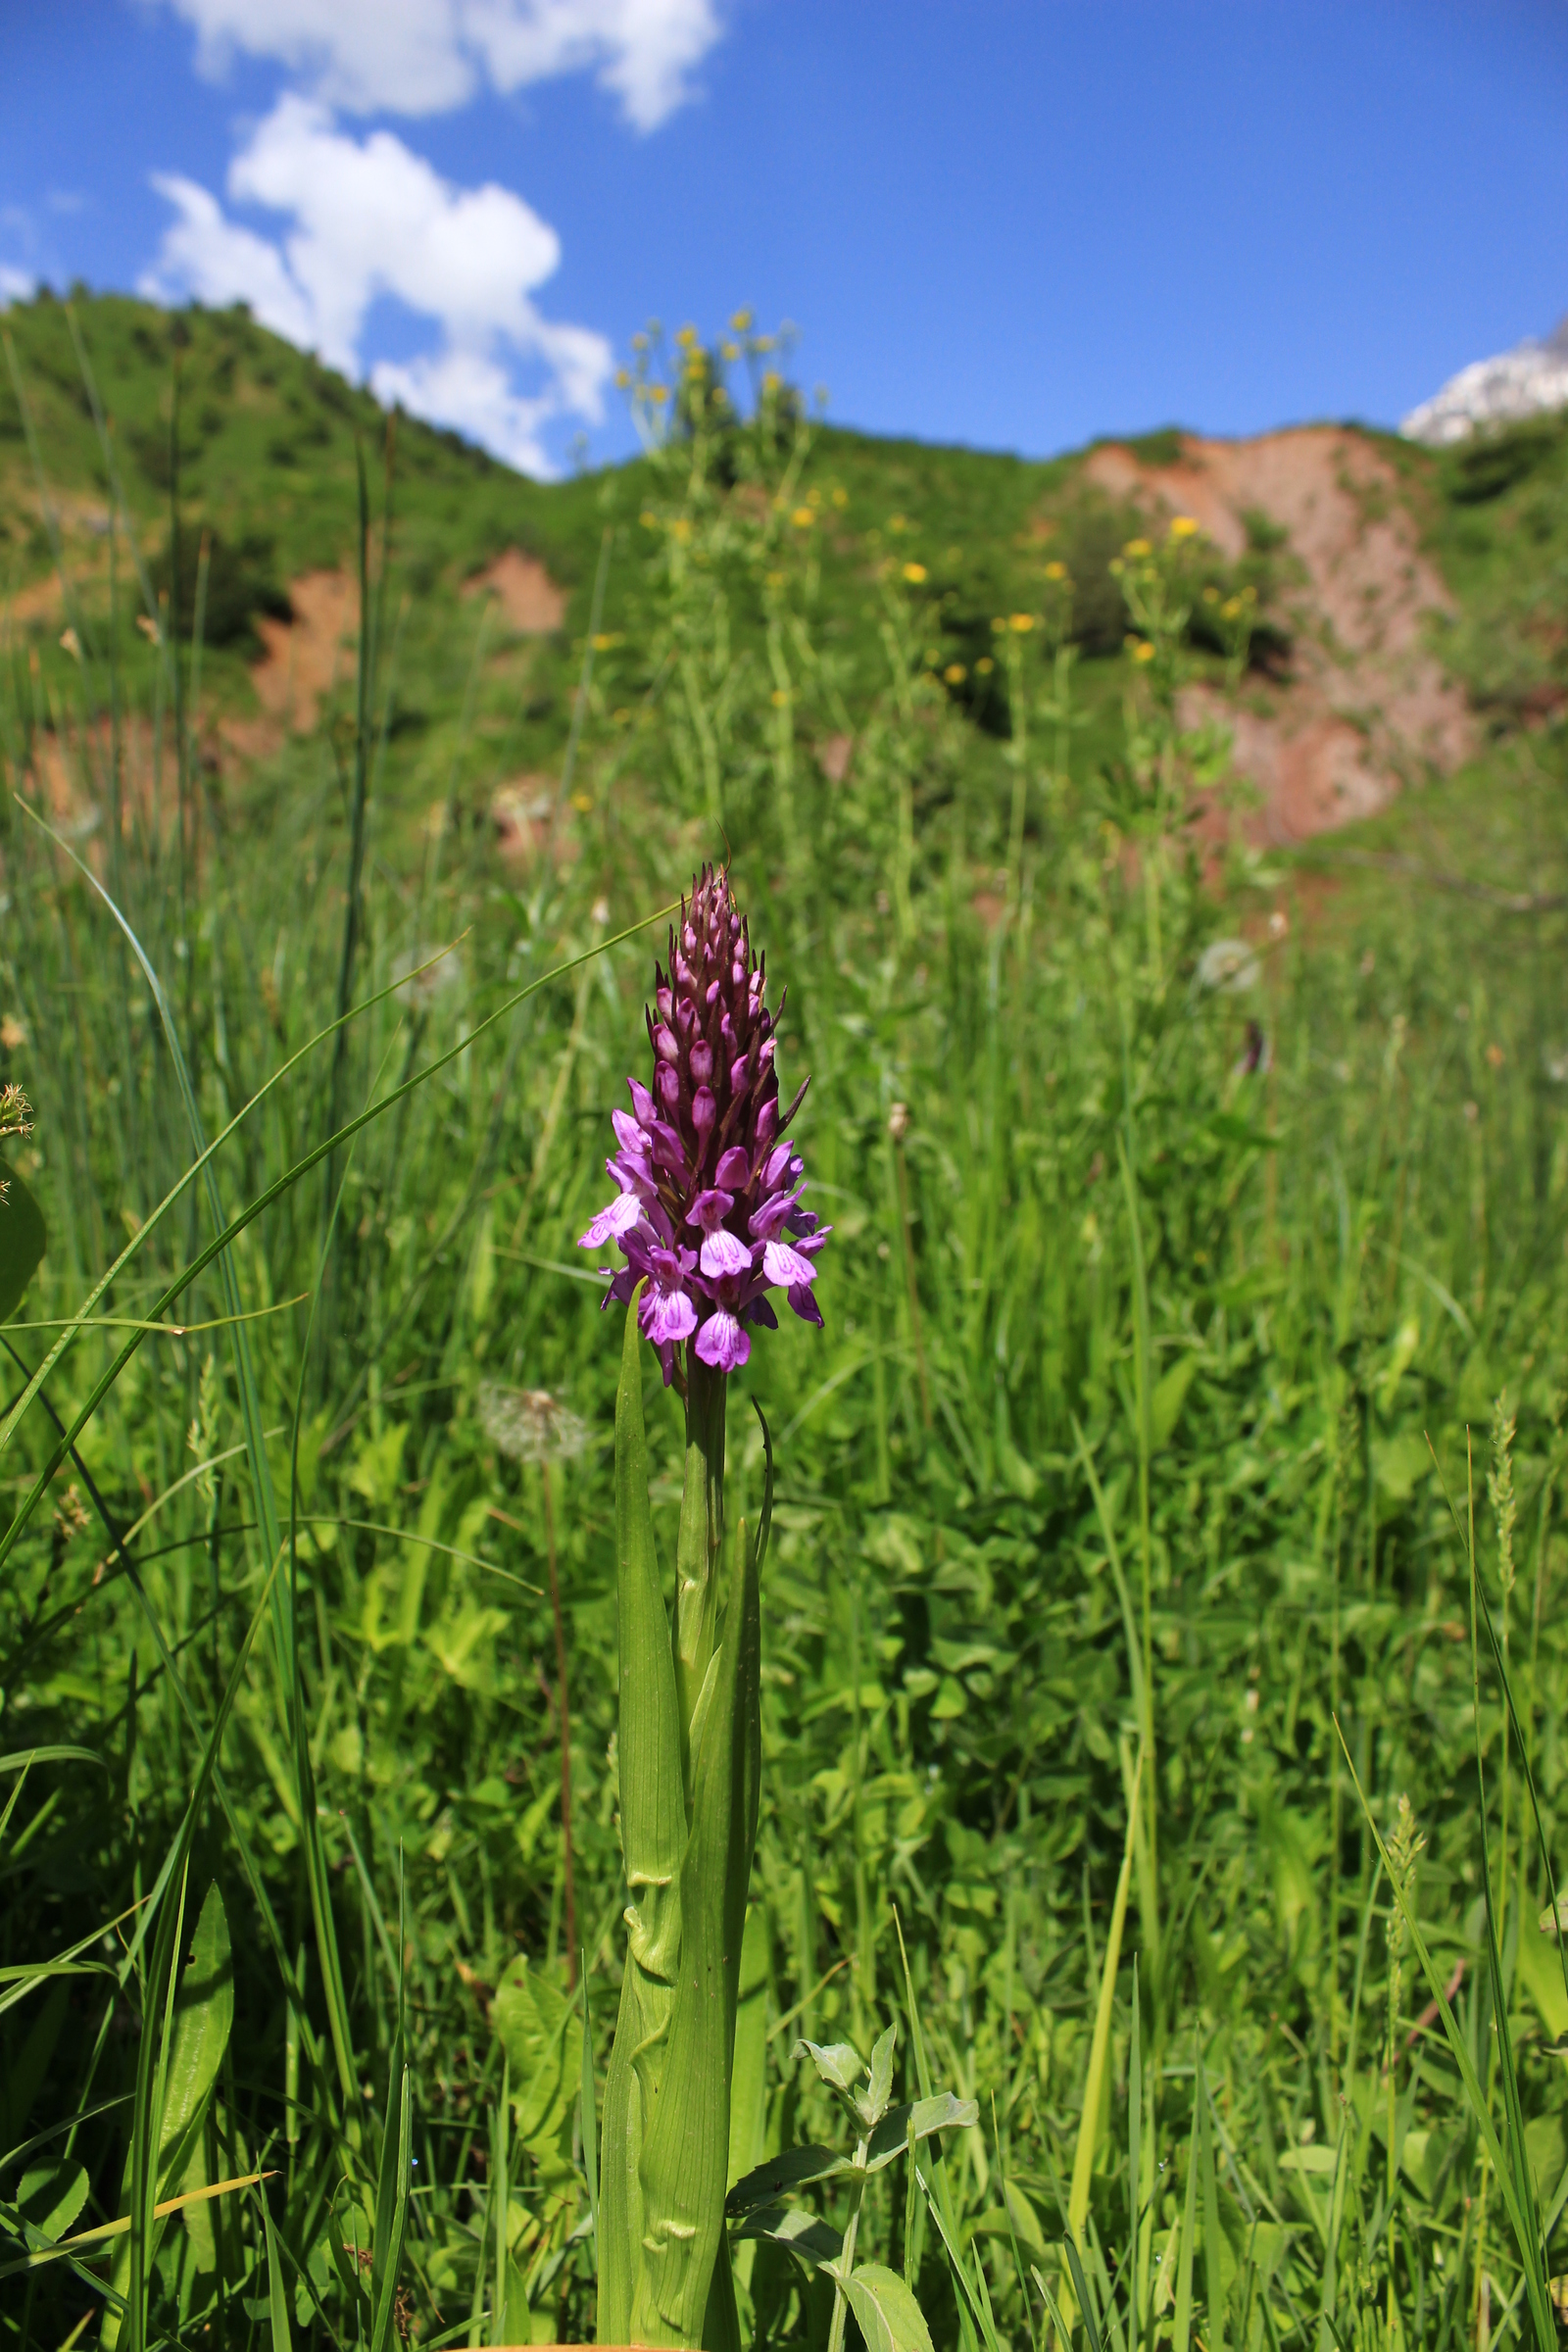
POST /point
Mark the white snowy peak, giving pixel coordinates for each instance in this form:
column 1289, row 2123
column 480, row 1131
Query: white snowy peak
column 1517, row 383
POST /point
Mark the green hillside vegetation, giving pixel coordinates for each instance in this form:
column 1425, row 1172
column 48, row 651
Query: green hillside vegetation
column 1191, row 1396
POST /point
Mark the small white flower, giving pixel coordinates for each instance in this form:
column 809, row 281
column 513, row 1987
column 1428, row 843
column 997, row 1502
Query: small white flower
column 1228, row 966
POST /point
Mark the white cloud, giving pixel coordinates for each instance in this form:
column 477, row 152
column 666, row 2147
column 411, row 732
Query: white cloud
column 372, row 220
column 16, row 285
column 465, row 389
column 422, row 57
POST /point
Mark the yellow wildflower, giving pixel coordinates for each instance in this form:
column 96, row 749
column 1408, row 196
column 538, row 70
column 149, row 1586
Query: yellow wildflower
column 954, row 673
column 731, row 351
column 1137, row 549
column 687, row 337
column 840, row 498
column 802, row 519
column 680, row 529
column 581, row 801
column 914, row 574
column 741, row 321
column 658, row 393
column 1056, row 569
column 1182, row 526
column 1142, row 649
column 622, row 379
column 649, row 519
column 1211, row 594
column 776, row 579
column 780, row 698
column 1231, row 608
column 1020, row 623
column 984, row 667
column 772, row 381
column 998, row 625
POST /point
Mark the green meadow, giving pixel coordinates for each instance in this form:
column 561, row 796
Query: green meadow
column 1163, row 1631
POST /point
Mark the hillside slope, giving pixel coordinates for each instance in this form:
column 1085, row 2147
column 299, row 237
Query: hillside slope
column 1410, row 604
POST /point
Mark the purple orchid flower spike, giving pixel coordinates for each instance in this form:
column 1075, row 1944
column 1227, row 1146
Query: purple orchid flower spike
column 707, row 1211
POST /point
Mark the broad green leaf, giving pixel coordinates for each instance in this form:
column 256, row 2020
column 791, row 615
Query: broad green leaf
column 541, row 2031
column 24, row 1239
column 942, row 2113
column 810, row 2241
column 748, row 2091
column 653, row 1837
column 49, row 2198
column 874, row 2100
column 889, row 2316
column 1170, row 1395
column 839, row 2063
column 203, row 2013
column 793, row 2169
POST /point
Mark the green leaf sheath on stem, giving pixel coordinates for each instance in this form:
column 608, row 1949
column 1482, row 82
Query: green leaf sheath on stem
column 686, row 2147
column 690, row 1747
column 699, row 1546
column 652, row 1836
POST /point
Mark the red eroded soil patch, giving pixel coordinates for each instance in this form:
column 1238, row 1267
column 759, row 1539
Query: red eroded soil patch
column 305, row 659
column 1367, row 707
column 531, row 605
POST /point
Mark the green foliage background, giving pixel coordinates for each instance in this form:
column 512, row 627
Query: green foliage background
column 1118, row 1429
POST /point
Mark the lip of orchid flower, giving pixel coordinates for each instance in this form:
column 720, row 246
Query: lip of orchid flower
column 710, row 1186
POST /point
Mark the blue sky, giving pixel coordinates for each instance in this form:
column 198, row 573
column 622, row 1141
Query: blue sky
column 1009, row 223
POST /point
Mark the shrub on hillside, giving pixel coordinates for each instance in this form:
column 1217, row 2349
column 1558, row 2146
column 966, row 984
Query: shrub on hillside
column 241, row 582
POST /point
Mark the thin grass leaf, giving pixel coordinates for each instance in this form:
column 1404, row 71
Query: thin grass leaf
column 1088, row 2140
column 1522, row 2221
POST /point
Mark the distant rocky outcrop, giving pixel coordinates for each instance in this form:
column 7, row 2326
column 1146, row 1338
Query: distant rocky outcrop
column 1517, row 383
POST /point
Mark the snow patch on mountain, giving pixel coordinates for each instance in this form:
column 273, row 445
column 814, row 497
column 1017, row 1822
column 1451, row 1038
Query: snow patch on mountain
column 1523, row 382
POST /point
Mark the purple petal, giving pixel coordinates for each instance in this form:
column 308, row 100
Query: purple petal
column 760, row 1311
column 642, row 1103
column 734, row 1170
column 786, row 1266
column 667, row 1316
column 610, row 1223
column 722, row 1344
column 804, row 1305
column 778, row 1160
column 710, row 1208
column 722, row 1253
column 704, row 1110
column 630, row 1133
column 768, row 1221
